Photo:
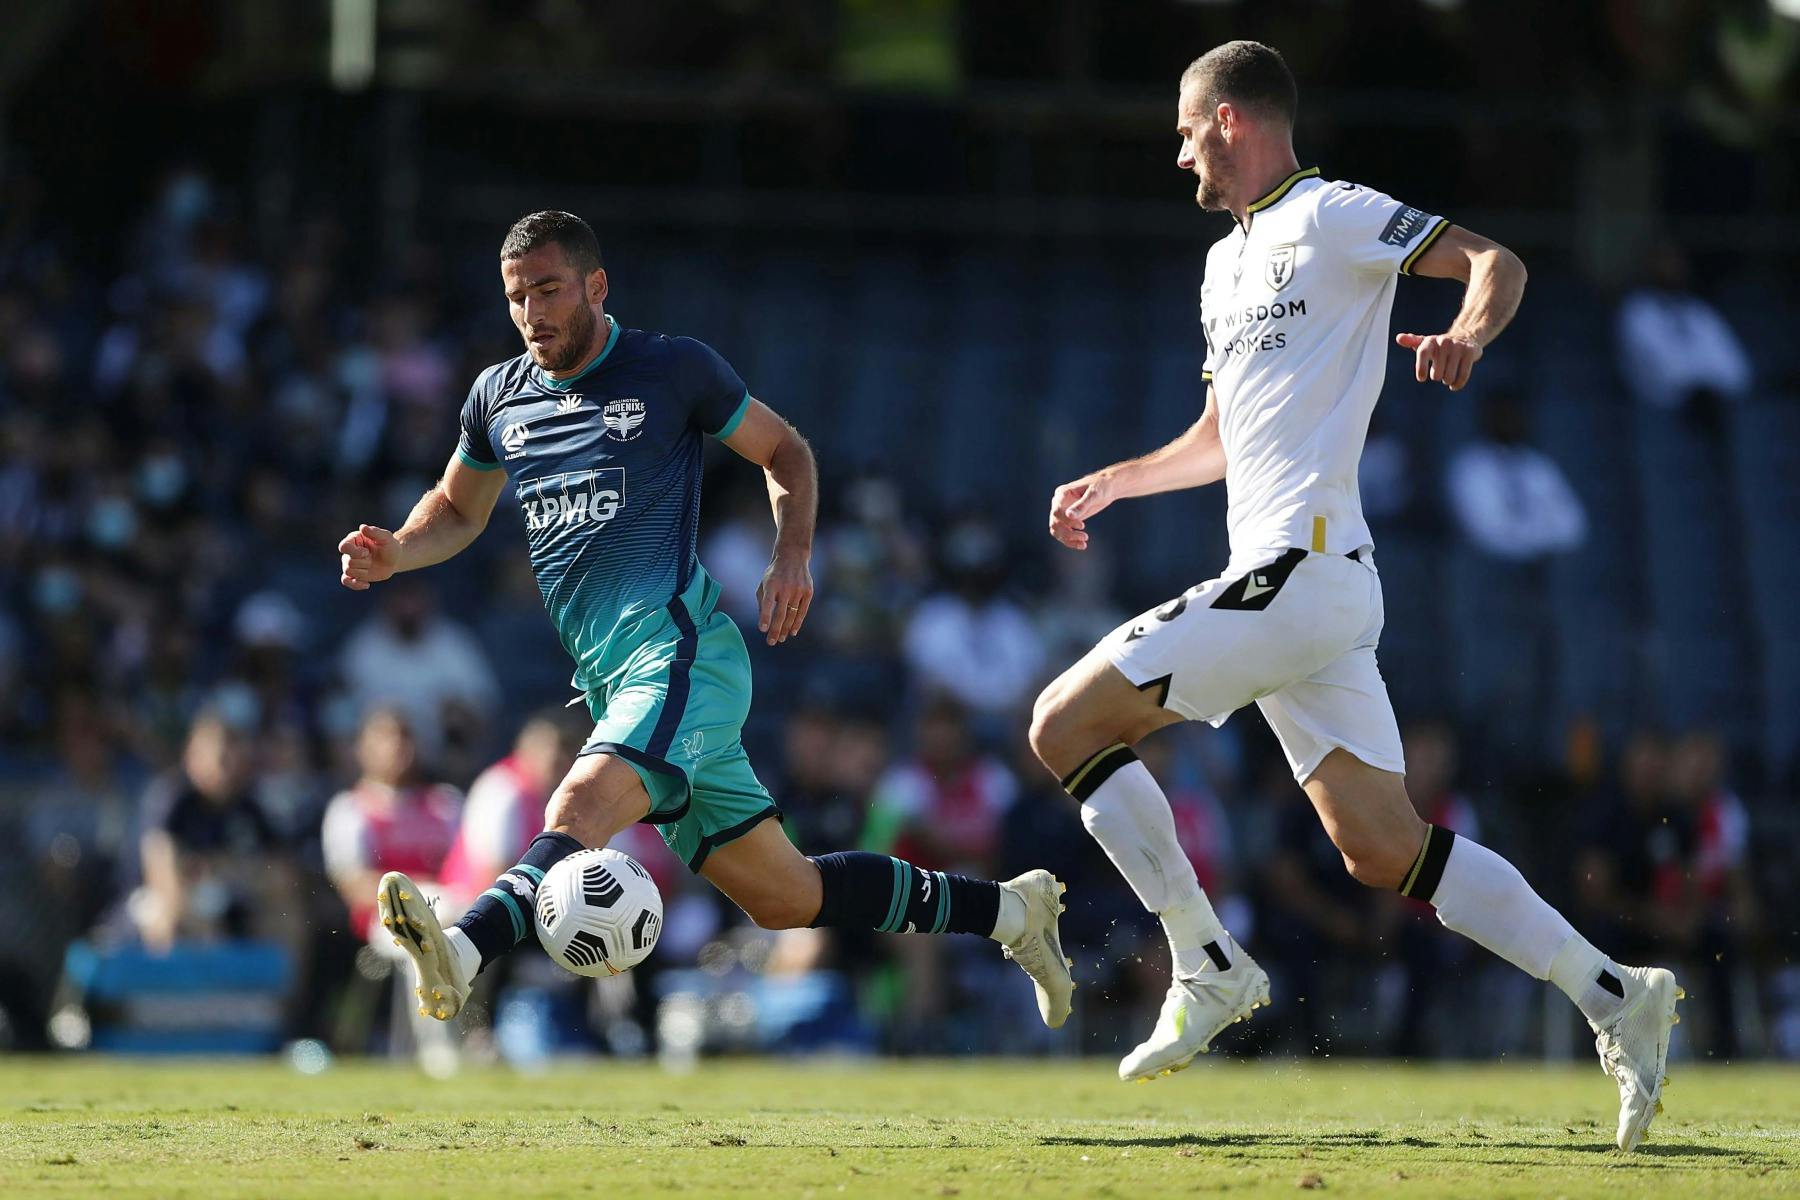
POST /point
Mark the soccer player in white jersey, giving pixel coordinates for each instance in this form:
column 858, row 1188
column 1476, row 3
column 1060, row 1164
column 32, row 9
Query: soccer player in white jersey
column 1295, row 304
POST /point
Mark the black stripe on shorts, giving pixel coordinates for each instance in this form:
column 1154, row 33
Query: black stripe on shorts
column 675, row 701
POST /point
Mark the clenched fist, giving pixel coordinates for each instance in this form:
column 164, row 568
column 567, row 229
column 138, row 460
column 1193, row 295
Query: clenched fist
column 369, row 555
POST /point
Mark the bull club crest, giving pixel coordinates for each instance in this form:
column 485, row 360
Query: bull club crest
column 1278, row 271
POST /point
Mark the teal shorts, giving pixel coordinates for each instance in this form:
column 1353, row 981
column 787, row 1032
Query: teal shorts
column 675, row 711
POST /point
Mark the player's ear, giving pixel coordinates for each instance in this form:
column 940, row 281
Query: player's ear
column 596, row 286
column 1227, row 119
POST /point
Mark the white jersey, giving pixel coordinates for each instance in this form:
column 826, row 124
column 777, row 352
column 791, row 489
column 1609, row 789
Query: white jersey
column 1296, row 312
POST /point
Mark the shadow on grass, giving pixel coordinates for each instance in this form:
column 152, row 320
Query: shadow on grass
column 1290, row 1141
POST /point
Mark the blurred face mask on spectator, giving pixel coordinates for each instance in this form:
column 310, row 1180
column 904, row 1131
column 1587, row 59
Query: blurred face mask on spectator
column 217, row 760
column 407, row 609
column 552, row 306
column 385, row 750
column 943, row 742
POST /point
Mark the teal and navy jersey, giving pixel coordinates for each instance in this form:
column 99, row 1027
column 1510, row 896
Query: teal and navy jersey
column 605, row 468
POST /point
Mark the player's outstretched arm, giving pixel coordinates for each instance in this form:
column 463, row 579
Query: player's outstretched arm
column 1194, row 459
column 443, row 523
column 1496, row 280
column 787, row 461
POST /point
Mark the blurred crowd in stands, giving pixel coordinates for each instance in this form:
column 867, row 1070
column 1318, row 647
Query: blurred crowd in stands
column 206, row 739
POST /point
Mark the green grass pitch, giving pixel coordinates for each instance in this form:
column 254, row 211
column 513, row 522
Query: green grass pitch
column 94, row 1127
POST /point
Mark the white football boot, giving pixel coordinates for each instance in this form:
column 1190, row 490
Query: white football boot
column 1195, row 1010
column 405, row 911
column 1039, row 951
column 1634, row 1047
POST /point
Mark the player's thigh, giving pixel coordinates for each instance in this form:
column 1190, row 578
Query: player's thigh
column 763, row 874
column 601, row 794
column 1089, row 707
column 1337, row 729
column 1343, row 704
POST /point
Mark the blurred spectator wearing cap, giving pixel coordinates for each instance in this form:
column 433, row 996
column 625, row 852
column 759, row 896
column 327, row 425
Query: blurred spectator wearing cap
column 1677, row 351
column 213, row 864
column 390, row 819
column 969, row 640
column 1510, row 499
column 429, row 667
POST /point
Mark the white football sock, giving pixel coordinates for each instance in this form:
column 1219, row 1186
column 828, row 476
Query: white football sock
column 1484, row 898
column 1009, row 921
column 468, row 958
column 1129, row 816
column 1577, row 970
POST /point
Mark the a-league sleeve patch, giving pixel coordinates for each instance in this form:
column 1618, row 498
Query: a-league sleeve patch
column 1405, row 225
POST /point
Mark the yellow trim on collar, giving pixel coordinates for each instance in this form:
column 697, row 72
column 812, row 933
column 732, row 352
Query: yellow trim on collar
column 1282, row 189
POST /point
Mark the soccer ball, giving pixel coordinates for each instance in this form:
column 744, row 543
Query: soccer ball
column 598, row 913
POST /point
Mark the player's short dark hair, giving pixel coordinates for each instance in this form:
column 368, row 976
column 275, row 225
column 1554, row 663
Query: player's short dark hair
column 579, row 245
column 1249, row 74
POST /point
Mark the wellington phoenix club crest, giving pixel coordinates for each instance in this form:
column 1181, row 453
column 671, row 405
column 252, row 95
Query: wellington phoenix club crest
column 1279, row 270
column 624, row 419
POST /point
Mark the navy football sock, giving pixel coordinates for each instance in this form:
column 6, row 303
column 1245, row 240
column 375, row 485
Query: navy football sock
column 501, row 916
column 873, row 891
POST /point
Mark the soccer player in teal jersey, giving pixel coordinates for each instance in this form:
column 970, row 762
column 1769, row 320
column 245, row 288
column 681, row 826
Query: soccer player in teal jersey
column 598, row 429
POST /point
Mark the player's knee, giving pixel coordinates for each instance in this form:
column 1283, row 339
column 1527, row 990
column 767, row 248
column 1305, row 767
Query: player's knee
column 1046, row 726
column 1374, row 862
column 568, row 812
column 592, row 806
column 1057, row 732
column 781, row 911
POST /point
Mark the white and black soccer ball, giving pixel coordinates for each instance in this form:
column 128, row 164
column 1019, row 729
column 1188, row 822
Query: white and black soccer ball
column 598, row 912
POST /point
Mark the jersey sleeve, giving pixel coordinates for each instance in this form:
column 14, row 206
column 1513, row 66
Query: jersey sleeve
column 1375, row 232
column 717, row 399
column 474, row 447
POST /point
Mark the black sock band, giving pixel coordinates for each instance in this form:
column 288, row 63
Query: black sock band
column 1428, row 868
column 1084, row 780
column 1216, row 952
column 500, row 918
column 874, row 891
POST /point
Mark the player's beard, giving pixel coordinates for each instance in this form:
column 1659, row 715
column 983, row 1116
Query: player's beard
column 577, row 338
column 1209, row 194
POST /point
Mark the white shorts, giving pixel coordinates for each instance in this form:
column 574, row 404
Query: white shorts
column 1297, row 636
